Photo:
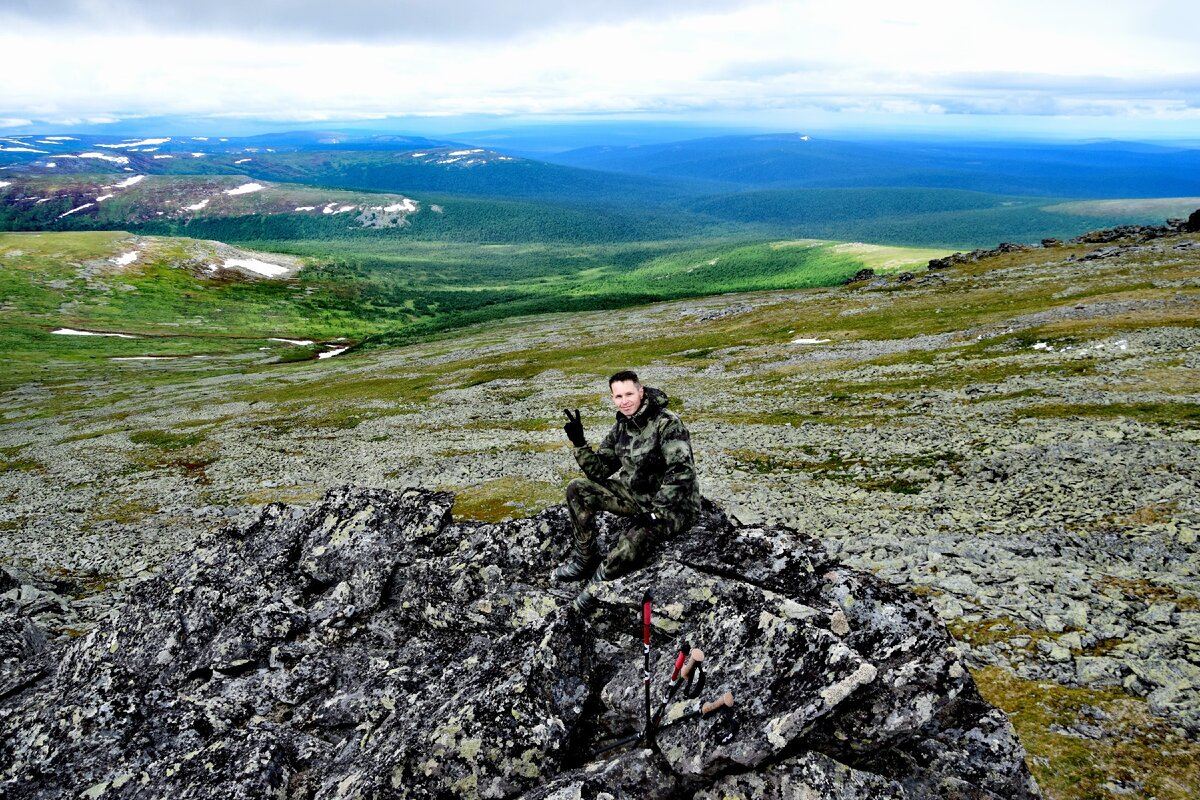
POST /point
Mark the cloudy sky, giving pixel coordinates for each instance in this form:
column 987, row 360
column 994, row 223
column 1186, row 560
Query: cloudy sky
column 1043, row 64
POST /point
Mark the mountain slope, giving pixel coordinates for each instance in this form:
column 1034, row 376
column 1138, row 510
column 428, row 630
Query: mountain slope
column 1013, row 436
column 244, row 208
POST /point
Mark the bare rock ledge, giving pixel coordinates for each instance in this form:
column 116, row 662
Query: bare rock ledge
column 371, row 647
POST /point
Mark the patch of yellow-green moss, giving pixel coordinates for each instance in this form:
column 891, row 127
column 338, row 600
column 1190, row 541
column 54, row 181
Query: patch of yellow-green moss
column 124, row 511
column 1144, row 590
column 1183, row 415
column 81, row 583
column 1138, row 754
column 504, row 498
column 985, row 632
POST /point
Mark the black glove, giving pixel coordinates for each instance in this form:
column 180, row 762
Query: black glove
column 574, row 429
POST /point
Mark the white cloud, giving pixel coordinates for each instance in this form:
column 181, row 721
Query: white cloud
column 14, row 122
column 921, row 57
column 350, row 20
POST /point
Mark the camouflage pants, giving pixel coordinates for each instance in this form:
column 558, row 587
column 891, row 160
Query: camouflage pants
column 586, row 497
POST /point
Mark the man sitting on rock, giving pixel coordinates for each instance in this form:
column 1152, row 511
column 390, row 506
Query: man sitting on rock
column 656, row 484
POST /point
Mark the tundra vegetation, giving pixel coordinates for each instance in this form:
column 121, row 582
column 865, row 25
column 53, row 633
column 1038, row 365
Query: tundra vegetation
column 1011, row 437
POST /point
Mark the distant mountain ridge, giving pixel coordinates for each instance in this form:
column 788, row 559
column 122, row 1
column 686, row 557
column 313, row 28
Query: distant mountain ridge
column 53, row 144
column 943, row 193
column 1094, row 170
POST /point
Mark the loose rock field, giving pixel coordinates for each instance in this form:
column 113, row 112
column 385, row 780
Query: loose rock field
column 1014, row 438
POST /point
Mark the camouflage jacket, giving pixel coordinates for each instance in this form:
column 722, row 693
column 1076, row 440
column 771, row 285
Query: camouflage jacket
column 653, row 451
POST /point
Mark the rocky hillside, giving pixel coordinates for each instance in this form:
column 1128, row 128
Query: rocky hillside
column 1013, row 436
column 31, row 202
column 371, row 647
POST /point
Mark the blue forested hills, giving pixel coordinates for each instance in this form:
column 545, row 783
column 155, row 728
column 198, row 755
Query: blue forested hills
column 927, row 193
column 1091, row 170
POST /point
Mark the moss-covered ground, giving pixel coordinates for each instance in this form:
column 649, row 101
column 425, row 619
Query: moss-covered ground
column 1088, row 744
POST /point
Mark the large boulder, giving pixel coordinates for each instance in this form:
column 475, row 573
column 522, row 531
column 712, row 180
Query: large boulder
column 370, row 646
column 1193, row 222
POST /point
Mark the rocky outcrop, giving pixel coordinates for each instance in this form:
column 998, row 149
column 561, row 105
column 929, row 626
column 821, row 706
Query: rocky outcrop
column 1126, row 234
column 864, row 274
column 372, row 647
column 1133, row 233
column 977, row 255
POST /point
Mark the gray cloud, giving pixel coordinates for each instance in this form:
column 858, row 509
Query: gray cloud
column 401, row 20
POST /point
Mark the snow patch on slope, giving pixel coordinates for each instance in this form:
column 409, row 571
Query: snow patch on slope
column 105, row 157
column 246, row 188
column 254, row 265
column 73, row 332
column 73, row 210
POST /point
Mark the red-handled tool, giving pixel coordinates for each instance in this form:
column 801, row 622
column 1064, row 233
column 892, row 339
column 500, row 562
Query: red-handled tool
column 647, row 602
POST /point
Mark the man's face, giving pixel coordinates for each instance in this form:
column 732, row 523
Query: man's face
column 627, row 397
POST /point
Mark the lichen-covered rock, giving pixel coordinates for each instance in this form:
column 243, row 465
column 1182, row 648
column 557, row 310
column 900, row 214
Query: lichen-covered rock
column 636, row 774
column 811, row 775
column 20, row 640
column 371, row 647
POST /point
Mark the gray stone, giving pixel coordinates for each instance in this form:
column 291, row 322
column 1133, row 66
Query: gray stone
column 369, row 646
column 1098, row 671
column 1059, row 653
column 1159, row 614
column 1076, row 616
column 811, row 775
column 1072, row 640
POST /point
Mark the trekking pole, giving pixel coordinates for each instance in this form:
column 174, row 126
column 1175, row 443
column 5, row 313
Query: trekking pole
column 647, row 601
column 681, row 673
column 704, row 711
column 724, row 701
column 695, row 682
column 644, row 734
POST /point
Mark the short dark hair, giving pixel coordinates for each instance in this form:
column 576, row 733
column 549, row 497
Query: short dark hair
column 624, row 375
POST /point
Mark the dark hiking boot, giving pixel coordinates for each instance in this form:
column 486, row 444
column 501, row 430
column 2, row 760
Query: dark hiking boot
column 580, row 565
column 584, row 603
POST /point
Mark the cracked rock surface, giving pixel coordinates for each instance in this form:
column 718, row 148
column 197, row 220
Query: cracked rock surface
column 371, row 646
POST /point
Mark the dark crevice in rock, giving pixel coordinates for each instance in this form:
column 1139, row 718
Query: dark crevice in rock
column 200, row 675
column 736, row 575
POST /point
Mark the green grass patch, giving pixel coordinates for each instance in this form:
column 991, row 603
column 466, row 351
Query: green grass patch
column 81, row 583
column 166, row 440
column 11, row 459
column 293, row 354
column 1002, row 396
column 982, row 633
column 872, row 475
column 504, row 498
column 316, row 388
column 188, row 452
column 125, row 511
column 770, row 463
column 1182, row 415
column 21, row 465
column 531, row 425
column 1139, row 753
column 84, row 437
